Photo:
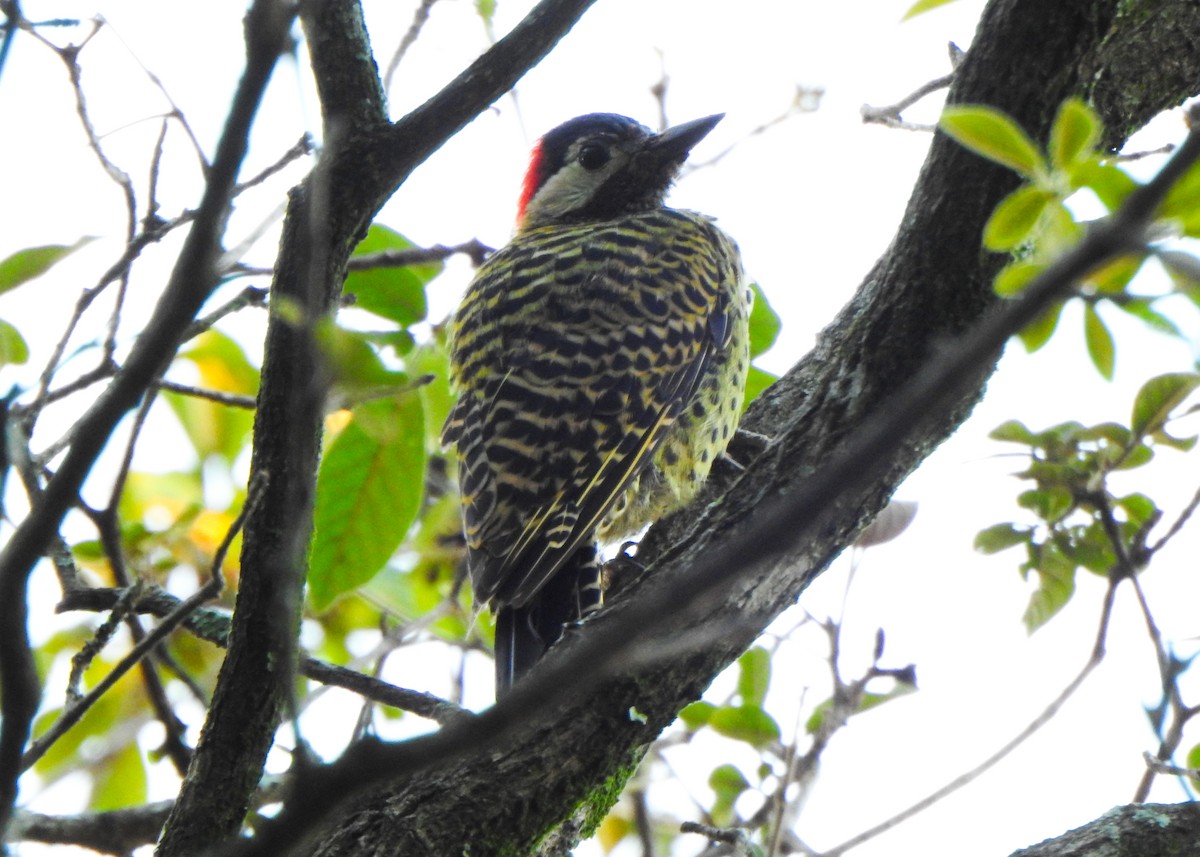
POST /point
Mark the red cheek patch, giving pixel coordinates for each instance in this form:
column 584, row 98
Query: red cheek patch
column 534, row 176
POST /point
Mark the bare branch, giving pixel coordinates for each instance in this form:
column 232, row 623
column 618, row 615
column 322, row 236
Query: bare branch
column 890, row 115
column 420, row 17
column 213, row 626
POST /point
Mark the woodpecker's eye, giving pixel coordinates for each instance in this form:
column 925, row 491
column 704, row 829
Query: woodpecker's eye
column 593, row 156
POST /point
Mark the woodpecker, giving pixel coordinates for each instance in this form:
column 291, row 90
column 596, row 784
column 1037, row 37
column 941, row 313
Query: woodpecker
column 600, row 360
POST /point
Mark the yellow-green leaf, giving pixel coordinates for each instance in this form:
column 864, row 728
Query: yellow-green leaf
column 222, row 366
column 1015, row 218
column 994, row 135
column 1013, row 278
column 1113, row 277
column 1100, row 346
column 13, row 348
column 120, row 780
column 1183, row 200
column 922, row 6
column 32, row 262
column 1110, row 183
column 1074, row 133
column 747, row 723
column 697, row 714
column 757, row 380
column 764, row 323
column 1038, row 332
column 754, row 675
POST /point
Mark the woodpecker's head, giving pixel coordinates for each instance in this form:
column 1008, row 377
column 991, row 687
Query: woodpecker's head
column 598, row 166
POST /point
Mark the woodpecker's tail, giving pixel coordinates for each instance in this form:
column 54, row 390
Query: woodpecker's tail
column 523, row 634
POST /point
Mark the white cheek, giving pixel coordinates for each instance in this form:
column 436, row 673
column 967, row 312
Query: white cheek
column 566, row 190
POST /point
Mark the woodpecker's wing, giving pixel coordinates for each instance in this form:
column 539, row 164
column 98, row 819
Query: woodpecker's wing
column 574, row 352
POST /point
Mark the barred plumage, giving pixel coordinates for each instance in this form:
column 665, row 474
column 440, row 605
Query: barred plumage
column 600, row 359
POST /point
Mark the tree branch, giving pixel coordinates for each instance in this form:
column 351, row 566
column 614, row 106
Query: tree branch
column 1139, row 830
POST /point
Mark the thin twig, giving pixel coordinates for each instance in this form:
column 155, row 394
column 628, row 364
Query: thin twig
column 735, row 837
column 1178, row 710
column 213, row 626
column 303, row 146
column 1177, row 526
column 1047, row 714
column 169, row 623
column 72, row 714
column 82, row 659
column 890, row 114
column 233, row 400
column 805, row 100
column 420, row 17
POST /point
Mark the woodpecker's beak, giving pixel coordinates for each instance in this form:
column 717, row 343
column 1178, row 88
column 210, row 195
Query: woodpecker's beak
column 674, row 144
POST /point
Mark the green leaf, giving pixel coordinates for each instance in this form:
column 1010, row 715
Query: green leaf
column 923, row 6
column 1138, row 507
column 1074, row 133
column 32, row 262
column 1110, row 183
column 393, row 293
column 1183, row 444
column 1158, row 397
column 1038, row 332
column 747, row 723
column 352, row 360
column 754, row 675
column 1113, row 277
column 413, row 592
column 1100, row 345
column 1013, row 431
column 13, row 348
column 486, row 10
column 757, row 380
column 764, row 323
column 1140, row 308
column 1013, row 277
column 369, row 490
column 1056, row 585
column 994, row 135
column 1193, row 762
column 1183, row 199
column 1015, row 218
column 697, row 715
column 727, row 783
column 121, row 781
column 1049, row 504
column 214, row 428
column 1000, row 537
column 431, row 363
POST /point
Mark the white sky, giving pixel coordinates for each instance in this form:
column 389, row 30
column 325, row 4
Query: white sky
column 813, row 203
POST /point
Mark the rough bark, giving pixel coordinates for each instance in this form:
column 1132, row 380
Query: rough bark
column 1139, row 830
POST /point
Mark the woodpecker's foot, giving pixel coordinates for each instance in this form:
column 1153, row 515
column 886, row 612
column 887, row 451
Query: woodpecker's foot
column 622, row 569
column 744, row 448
